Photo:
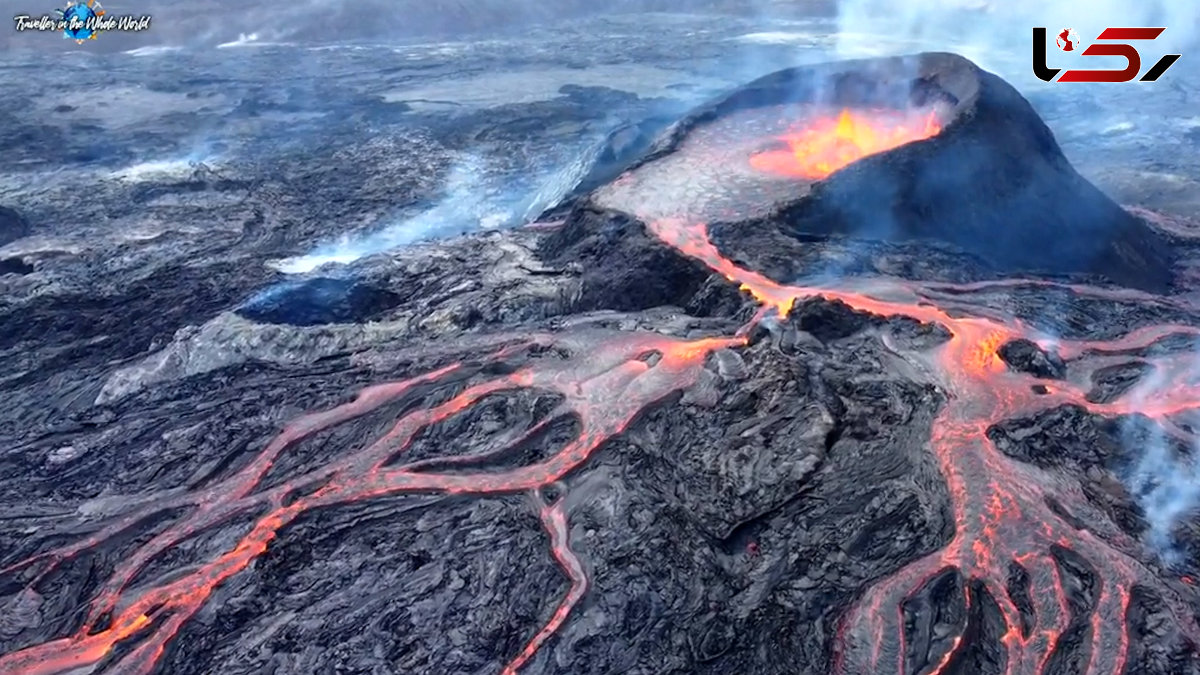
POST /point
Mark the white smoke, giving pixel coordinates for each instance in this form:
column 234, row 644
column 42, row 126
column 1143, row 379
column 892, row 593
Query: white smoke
column 464, row 206
column 1165, row 483
column 475, row 197
column 153, row 50
column 244, row 40
column 1168, row 490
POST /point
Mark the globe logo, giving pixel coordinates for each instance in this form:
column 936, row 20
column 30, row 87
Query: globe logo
column 80, row 18
column 1068, row 41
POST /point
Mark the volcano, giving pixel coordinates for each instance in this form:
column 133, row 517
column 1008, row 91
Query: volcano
column 778, row 390
column 944, row 151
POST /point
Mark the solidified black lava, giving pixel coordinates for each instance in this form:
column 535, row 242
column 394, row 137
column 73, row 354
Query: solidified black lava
column 1027, row 357
column 628, row 274
column 318, row 301
column 1113, row 381
column 12, row 225
column 14, row 266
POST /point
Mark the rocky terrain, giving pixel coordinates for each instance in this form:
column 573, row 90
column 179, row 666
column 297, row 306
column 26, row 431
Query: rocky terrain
column 255, row 424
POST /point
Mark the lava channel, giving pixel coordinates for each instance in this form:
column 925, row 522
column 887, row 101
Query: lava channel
column 606, row 382
column 1002, row 508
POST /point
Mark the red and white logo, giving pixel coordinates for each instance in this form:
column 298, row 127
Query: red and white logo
column 1110, row 42
column 1068, row 41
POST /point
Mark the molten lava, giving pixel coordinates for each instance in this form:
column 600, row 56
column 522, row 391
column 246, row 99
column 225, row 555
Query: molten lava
column 829, row 143
column 1006, row 514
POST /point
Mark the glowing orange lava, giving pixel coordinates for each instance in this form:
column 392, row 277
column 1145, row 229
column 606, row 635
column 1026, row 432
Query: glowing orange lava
column 605, row 383
column 827, row 144
column 1002, row 516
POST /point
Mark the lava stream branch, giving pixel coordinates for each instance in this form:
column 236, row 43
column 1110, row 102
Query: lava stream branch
column 1000, row 506
column 241, row 483
column 607, row 381
column 554, row 519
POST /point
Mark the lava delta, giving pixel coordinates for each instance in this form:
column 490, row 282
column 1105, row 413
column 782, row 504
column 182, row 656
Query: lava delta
column 837, row 376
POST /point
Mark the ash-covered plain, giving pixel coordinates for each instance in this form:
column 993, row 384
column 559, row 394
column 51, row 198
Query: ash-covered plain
column 259, row 421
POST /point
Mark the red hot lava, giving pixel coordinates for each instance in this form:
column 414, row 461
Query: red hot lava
column 1000, row 506
column 607, row 382
column 826, row 144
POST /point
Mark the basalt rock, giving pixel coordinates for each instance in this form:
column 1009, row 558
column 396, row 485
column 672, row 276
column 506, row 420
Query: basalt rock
column 12, row 225
column 1027, row 357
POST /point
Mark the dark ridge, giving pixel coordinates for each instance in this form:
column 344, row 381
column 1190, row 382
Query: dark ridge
column 1026, row 356
column 1018, row 590
column 12, row 226
column 983, row 651
column 624, row 267
column 1112, row 382
column 15, row 266
column 934, row 613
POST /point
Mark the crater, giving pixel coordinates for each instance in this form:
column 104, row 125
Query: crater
column 924, row 147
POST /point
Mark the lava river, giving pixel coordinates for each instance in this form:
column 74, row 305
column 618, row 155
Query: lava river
column 1007, row 514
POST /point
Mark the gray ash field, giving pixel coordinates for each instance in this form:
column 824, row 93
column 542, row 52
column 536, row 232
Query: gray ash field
column 499, row 356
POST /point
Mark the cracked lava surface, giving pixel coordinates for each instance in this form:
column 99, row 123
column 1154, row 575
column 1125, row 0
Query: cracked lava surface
column 1008, row 515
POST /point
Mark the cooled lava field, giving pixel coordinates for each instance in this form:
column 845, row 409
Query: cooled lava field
column 858, row 366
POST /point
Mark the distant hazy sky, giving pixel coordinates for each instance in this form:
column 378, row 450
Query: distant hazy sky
column 980, row 22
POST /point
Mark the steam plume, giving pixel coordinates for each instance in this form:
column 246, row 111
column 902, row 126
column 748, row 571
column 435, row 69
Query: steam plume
column 1166, row 483
column 472, row 199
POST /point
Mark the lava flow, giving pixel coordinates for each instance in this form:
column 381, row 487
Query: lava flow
column 1007, row 515
column 827, row 144
column 605, row 383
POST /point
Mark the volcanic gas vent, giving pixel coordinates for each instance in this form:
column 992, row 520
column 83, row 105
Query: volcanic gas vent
column 908, row 148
